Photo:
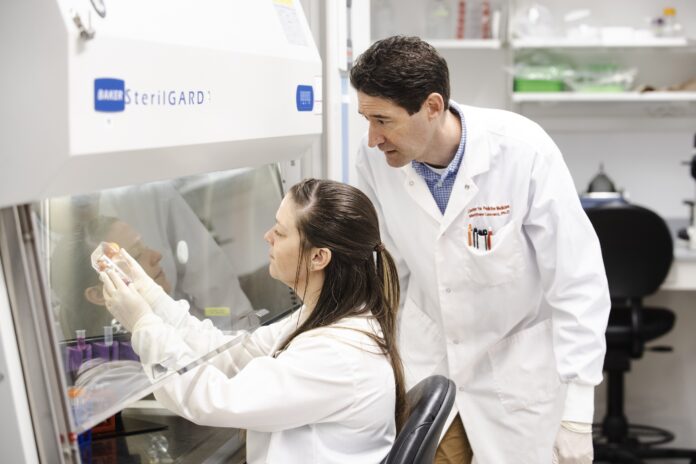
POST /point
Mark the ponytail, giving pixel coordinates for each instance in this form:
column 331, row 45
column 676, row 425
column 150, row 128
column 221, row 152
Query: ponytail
column 389, row 278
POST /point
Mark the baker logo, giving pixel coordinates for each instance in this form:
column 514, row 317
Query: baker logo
column 109, row 95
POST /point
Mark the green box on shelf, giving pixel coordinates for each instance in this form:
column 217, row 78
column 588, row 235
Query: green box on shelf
column 601, row 88
column 538, row 85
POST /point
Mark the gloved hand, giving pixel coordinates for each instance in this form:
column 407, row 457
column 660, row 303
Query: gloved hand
column 122, row 300
column 142, row 282
column 573, row 444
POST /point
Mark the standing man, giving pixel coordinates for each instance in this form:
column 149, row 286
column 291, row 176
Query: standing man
column 505, row 290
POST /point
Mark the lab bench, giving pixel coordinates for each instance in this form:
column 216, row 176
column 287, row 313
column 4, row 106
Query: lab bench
column 170, row 439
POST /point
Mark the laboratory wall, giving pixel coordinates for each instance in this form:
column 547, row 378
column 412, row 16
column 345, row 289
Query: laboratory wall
column 646, row 164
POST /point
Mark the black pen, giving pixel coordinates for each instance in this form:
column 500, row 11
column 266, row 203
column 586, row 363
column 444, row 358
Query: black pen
column 475, row 237
column 485, row 239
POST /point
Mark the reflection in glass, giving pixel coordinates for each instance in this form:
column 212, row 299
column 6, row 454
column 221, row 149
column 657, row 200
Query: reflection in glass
column 200, row 238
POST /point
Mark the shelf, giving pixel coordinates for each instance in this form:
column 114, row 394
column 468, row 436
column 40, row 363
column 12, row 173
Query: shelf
column 560, row 42
column 539, row 97
column 472, row 44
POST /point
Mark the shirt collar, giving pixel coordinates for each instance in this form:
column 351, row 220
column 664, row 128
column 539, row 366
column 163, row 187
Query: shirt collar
column 453, row 167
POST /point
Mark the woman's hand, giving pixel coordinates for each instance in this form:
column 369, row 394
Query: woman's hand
column 142, row 281
column 123, row 301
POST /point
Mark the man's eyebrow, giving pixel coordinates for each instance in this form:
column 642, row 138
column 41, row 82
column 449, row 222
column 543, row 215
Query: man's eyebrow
column 376, row 116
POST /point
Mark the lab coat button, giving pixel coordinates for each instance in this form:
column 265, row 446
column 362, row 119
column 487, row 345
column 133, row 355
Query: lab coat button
column 466, row 186
column 410, row 182
column 448, row 290
column 455, row 342
column 461, row 389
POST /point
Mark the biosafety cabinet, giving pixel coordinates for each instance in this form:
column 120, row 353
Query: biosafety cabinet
column 171, row 128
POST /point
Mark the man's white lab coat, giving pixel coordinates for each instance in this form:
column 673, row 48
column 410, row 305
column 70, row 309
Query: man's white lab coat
column 516, row 326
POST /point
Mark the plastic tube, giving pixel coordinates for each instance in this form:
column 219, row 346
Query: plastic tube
column 108, row 335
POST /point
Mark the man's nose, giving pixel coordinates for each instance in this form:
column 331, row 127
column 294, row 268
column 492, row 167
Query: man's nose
column 374, row 137
column 268, row 237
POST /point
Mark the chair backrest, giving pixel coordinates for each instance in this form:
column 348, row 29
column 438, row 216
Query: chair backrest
column 430, row 402
column 636, row 246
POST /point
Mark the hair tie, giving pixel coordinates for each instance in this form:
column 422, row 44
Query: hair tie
column 379, row 247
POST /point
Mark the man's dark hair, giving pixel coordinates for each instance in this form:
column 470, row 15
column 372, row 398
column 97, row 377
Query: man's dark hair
column 404, row 70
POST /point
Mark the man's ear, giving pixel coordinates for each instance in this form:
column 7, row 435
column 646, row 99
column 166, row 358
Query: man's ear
column 321, row 257
column 434, row 105
column 95, row 295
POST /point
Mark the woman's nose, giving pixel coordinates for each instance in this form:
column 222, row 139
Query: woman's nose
column 155, row 257
column 268, row 237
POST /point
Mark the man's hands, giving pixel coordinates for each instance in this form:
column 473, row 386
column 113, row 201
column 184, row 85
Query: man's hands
column 573, row 444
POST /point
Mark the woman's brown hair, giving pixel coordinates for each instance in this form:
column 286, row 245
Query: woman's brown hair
column 361, row 277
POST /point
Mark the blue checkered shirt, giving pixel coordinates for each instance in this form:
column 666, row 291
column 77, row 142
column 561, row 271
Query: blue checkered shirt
column 440, row 185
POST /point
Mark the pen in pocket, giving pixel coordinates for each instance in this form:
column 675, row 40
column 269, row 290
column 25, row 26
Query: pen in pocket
column 480, row 240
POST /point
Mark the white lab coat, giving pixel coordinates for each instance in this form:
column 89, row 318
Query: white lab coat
column 515, row 327
column 329, row 397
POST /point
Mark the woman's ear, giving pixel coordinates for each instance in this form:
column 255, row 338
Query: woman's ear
column 95, row 295
column 321, row 257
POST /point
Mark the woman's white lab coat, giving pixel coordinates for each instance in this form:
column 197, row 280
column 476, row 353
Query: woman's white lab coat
column 329, row 397
column 515, row 326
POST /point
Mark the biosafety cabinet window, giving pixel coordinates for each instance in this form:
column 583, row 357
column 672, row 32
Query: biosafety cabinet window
column 200, row 238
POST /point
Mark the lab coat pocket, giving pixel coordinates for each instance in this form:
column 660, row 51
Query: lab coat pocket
column 524, row 368
column 419, row 342
column 498, row 265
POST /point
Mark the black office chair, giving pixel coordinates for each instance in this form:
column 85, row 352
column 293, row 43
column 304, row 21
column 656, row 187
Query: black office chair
column 430, row 402
column 638, row 251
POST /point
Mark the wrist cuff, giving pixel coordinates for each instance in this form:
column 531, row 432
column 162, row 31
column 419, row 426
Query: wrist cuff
column 148, row 320
column 577, row 427
column 153, row 294
column 579, row 403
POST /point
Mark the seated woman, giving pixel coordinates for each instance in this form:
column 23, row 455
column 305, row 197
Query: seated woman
column 324, row 385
